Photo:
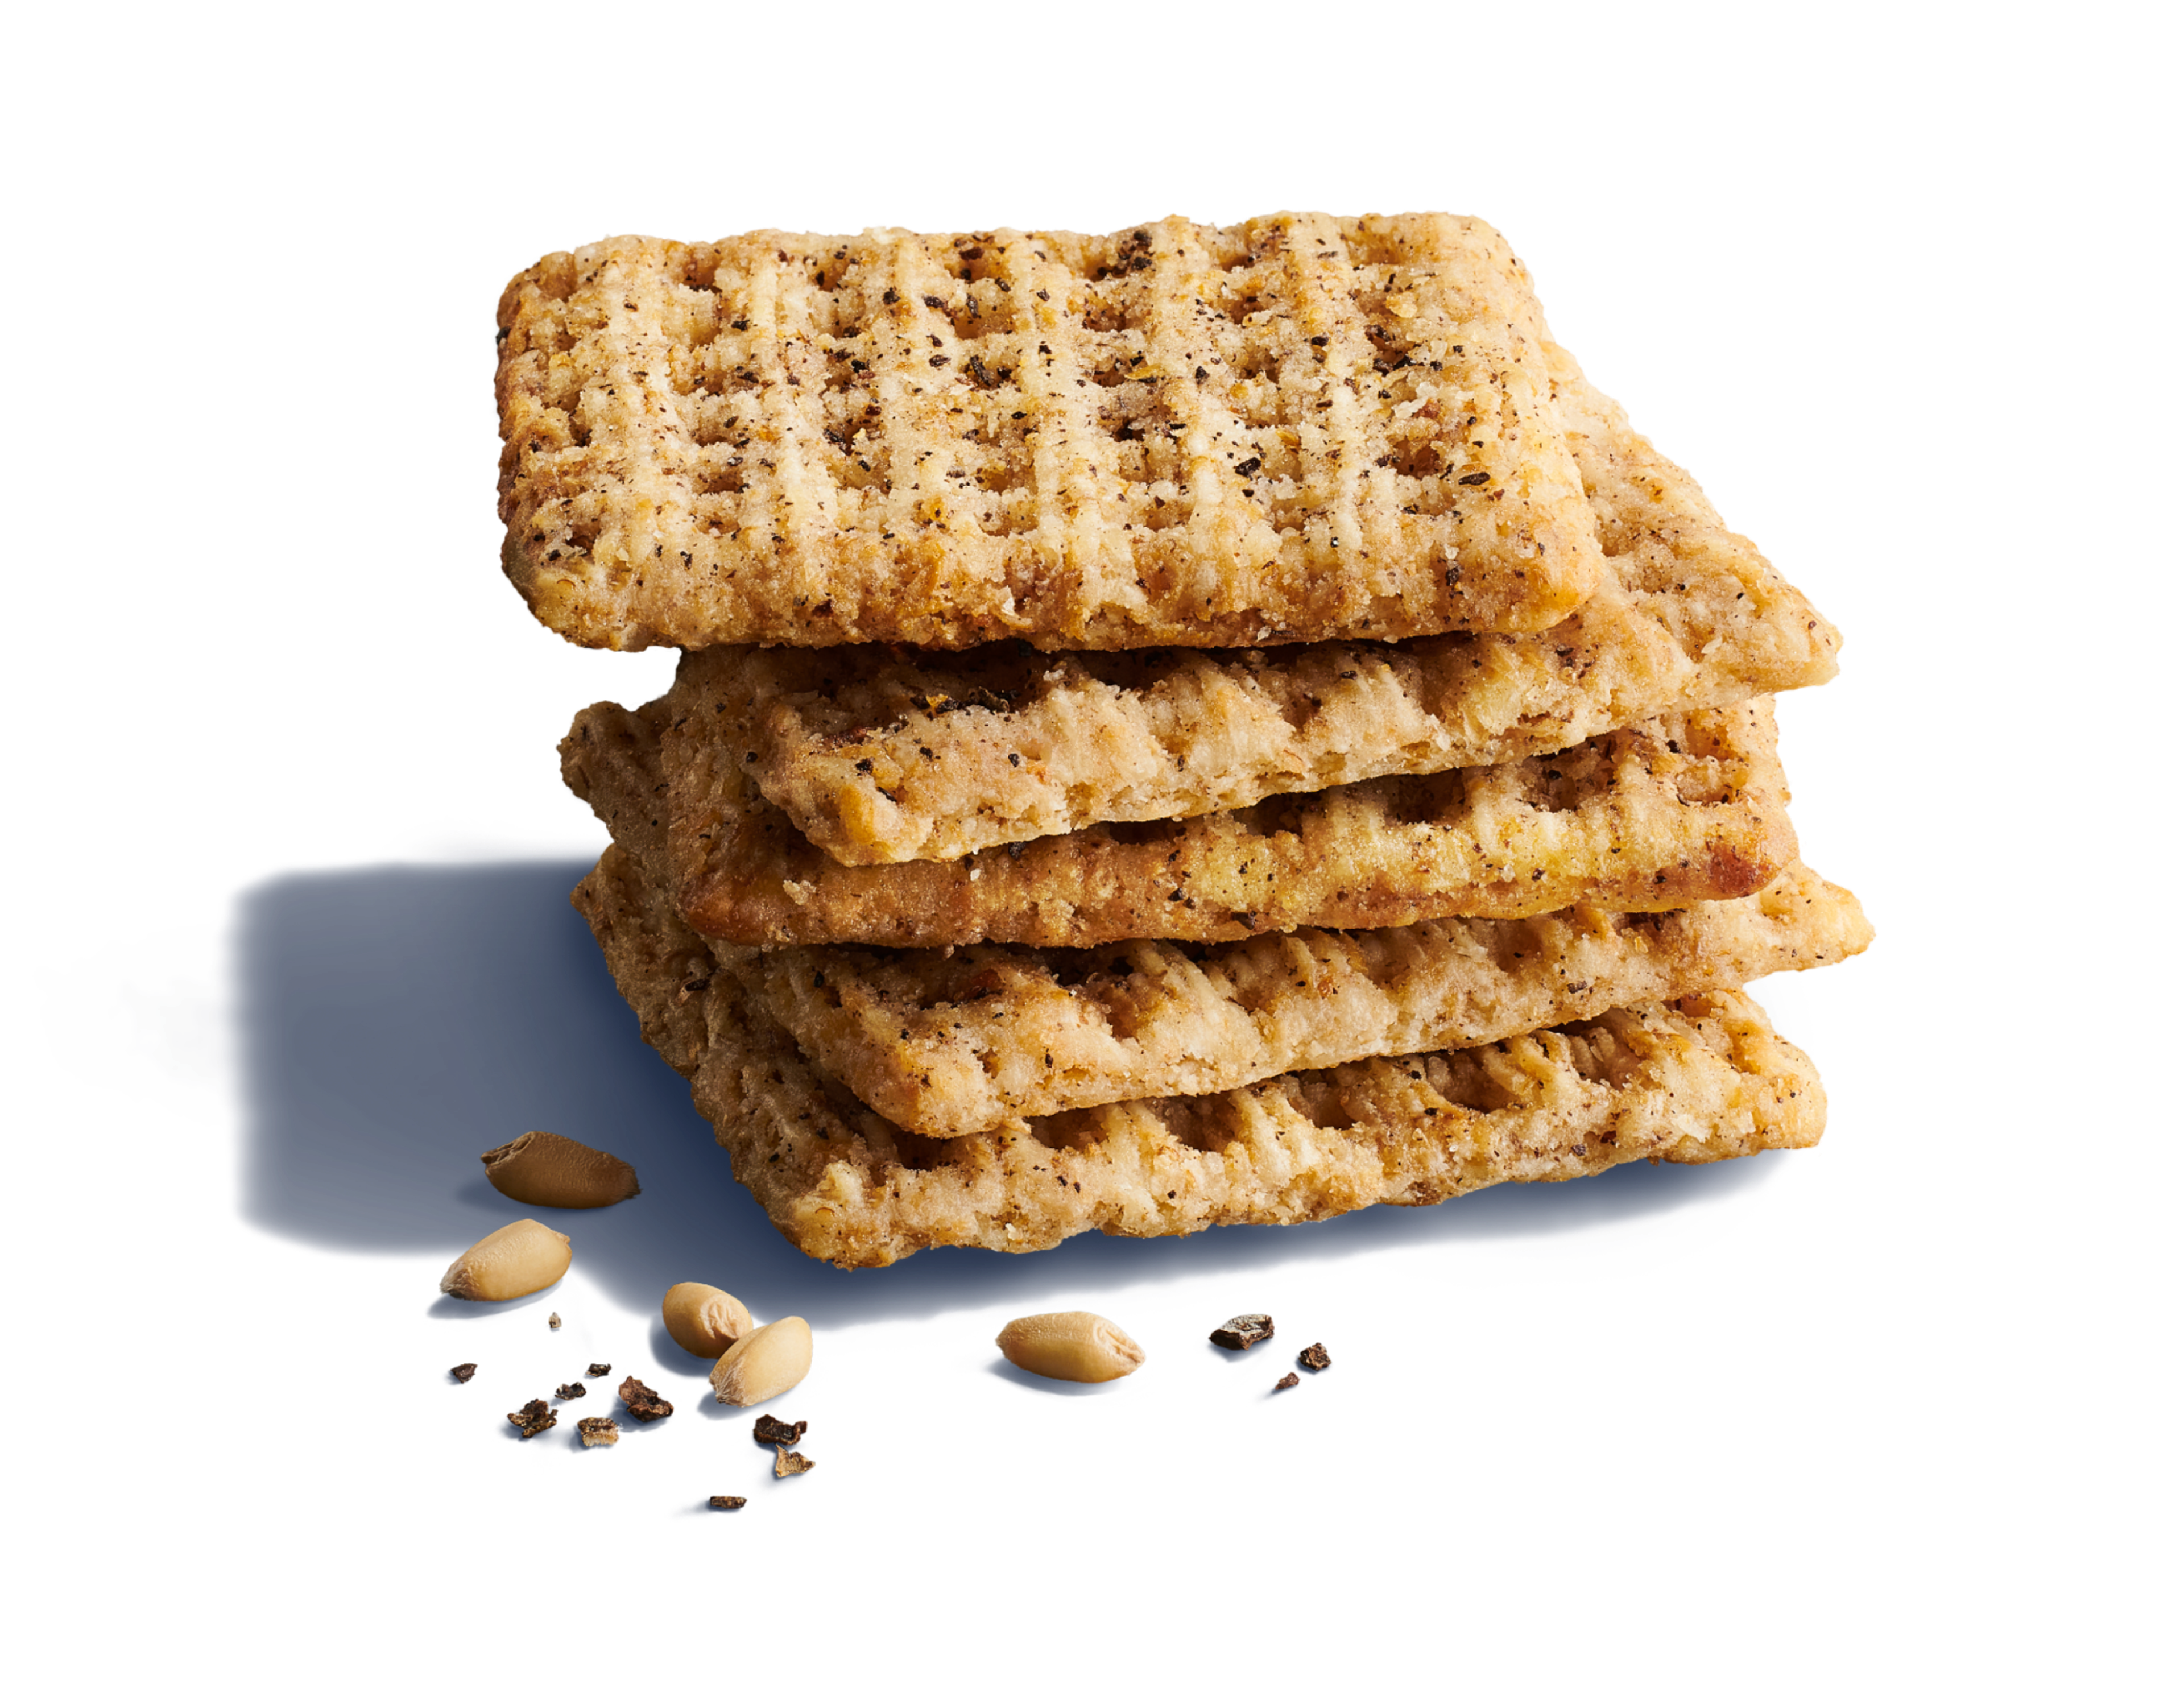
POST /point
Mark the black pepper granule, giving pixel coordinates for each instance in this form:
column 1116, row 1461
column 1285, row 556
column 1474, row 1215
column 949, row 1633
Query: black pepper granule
column 463, row 1372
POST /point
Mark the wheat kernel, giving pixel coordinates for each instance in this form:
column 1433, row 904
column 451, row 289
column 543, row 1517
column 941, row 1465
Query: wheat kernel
column 703, row 1320
column 549, row 1169
column 765, row 1363
column 523, row 1257
column 1070, row 1345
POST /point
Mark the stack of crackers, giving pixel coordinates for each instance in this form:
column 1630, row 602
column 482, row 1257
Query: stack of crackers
column 1189, row 727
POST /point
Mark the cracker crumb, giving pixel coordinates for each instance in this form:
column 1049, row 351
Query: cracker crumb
column 1669, row 1070
column 1242, row 1332
column 644, row 1404
column 769, row 1430
column 786, row 1462
column 463, row 1372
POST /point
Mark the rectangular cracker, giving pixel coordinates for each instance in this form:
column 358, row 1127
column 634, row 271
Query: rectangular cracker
column 1651, row 817
column 880, row 756
column 1300, row 428
column 1697, row 1083
column 984, row 1037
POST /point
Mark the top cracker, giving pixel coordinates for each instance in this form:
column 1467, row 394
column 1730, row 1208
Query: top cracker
column 1300, row 428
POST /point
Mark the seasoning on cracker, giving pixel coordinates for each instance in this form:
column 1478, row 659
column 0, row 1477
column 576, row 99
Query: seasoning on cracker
column 1694, row 1083
column 1300, row 427
column 986, row 1037
column 881, row 754
column 1180, row 728
column 1649, row 817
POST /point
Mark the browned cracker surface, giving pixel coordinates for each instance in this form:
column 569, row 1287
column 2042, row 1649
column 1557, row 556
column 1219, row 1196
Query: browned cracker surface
column 881, row 755
column 1695, row 1083
column 1652, row 817
column 1300, row 428
column 979, row 1039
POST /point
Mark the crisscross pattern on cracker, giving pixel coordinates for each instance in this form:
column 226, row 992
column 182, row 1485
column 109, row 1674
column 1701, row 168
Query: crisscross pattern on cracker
column 986, row 1036
column 881, row 755
column 1646, row 818
column 1703, row 1081
column 1302, row 427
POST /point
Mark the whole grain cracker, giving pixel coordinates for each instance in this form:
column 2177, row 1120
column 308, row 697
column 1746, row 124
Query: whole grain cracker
column 1694, row 1083
column 881, row 755
column 984, row 1037
column 1651, row 817
column 1301, row 427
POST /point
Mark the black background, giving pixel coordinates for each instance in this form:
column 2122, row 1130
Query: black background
column 324, row 664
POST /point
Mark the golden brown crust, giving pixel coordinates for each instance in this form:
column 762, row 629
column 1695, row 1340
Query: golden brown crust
column 1300, row 428
column 984, row 1037
column 1695, row 1083
column 881, row 755
column 1652, row 817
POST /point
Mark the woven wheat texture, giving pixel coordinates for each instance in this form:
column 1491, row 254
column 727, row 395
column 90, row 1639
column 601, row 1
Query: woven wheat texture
column 880, row 756
column 1646, row 818
column 978, row 1039
column 1695, row 1083
column 1302, row 427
